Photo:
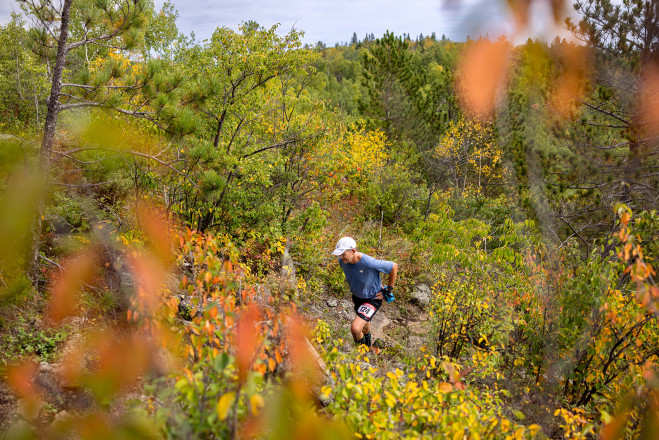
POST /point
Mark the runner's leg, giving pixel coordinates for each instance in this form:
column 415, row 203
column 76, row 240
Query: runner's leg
column 357, row 328
column 367, row 328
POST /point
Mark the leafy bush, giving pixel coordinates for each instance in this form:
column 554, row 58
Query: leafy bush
column 25, row 338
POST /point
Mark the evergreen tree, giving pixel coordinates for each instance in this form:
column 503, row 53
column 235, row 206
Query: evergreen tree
column 385, row 65
column 613, row 133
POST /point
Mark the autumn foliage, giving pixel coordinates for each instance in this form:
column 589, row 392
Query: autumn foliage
column 166, row 272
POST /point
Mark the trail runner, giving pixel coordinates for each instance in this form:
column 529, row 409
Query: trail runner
column 362, row 274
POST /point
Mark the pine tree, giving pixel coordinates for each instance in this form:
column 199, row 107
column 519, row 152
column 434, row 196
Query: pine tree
column 625, row 41
column 106, row 24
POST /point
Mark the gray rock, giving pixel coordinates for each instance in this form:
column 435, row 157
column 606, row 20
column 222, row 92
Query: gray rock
column 378, row 324
column 288, row 272
column 332, row 302
column 49, row 385
column 347, row 315
column 346, row 305
column 263, row 294
column 421, row 294
column 324, row 401
column 346, row 310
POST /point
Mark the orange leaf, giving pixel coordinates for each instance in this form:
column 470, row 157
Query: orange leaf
column 116, row 370
column 302, row 357
column 615, row 429
column 445, row 387
column 572, row 83
column 482, row 72
column 157, row 230
column 247, row 339
column 149, row 274
column 20, row 377
column 647, row 108
column 66, row 291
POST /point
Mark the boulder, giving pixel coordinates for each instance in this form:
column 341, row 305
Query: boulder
column 346, row 310
column 378, row 324
column 421, row 295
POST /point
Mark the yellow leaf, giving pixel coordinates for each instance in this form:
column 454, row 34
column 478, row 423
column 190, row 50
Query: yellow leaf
column 224, row 404
column 390, row 399
column 256, row 401
column 535, row 429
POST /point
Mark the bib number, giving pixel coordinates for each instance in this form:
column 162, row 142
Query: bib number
column 366, row 310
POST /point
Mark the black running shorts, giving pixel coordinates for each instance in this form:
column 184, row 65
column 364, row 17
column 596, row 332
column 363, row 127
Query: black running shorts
column 366, row 308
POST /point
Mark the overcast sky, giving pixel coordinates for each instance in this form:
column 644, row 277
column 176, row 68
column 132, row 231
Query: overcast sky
column 335, row 21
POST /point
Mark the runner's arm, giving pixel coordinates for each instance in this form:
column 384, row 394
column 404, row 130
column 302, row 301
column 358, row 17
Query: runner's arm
column 392, row 275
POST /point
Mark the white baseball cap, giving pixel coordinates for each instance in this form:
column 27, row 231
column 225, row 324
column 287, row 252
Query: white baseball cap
column 343, row 245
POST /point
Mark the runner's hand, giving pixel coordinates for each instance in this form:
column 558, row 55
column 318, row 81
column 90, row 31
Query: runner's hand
column 387, row 293
column 379, row 295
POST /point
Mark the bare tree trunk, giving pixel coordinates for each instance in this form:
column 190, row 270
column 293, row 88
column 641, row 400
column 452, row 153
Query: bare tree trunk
column 49, row 132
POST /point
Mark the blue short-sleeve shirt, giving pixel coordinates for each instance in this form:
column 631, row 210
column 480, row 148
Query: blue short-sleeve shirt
column 363, row 277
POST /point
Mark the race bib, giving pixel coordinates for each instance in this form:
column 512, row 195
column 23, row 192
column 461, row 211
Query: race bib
column 366, row 310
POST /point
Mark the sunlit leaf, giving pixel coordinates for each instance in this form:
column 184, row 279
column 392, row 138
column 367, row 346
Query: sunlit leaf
column 256, row 402
column 224, row 404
